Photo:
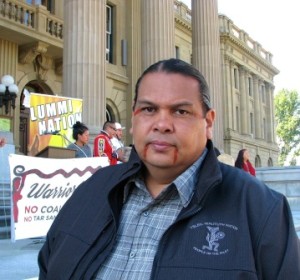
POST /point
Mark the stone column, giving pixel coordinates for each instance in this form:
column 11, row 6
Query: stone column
column 206, row 57
column 247, row 74
column 84, row 61
column 243, row 101
column 229, row 98
column 233, row 89
column 262, row 94
column 133, row 36
column 257, row 119
column 271, row 112
column 158, row 29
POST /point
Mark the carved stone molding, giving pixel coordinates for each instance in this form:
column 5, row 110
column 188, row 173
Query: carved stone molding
column 59, row 66
column 28, row 53
column 42, row 64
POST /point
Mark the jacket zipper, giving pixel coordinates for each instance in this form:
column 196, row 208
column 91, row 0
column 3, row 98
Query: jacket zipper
column 164, row 238
column 184, row 216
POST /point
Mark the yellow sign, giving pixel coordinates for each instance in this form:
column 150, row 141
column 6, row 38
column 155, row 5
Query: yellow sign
column 51, row 121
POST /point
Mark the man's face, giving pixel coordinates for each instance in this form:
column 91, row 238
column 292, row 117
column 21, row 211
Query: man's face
column 111, row 130
column 119, row 133
column 168, row 124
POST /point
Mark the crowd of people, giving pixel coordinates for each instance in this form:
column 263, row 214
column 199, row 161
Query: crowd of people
column 107, row 143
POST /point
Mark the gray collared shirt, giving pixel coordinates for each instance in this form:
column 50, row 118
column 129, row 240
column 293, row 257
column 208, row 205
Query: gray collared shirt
column 144, row 220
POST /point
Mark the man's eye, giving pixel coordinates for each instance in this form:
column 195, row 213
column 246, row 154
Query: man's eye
column 181, row 112
column 148, row 109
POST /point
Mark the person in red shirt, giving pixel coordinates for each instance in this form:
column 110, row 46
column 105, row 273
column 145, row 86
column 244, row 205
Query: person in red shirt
column 2, row 142
column 103, row 145
column 242, row 162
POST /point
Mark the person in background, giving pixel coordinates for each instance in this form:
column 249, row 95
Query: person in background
column 242, row 161
column 2, row 142
column 173, row 211
column 118, row 143
column 103, row 145
column 81, row 136
column 117, row 138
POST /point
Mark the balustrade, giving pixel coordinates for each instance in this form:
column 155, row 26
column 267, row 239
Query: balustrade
column 31, row 17
column 227, row 26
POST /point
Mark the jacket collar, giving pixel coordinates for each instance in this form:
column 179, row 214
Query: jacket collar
column 209, row 173
column 105, row 133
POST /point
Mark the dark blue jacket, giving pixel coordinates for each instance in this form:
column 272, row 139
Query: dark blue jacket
column 234, row 228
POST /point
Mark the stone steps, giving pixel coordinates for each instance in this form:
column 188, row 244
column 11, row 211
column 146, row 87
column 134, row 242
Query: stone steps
column 5, row 210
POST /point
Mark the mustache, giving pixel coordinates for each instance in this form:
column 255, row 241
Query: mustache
column 160, row 142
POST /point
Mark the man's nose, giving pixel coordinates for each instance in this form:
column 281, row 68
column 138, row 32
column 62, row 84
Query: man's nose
column 163, row 121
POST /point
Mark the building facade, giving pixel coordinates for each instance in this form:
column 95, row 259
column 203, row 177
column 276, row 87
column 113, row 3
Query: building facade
column 96, row 50
column 248, row 93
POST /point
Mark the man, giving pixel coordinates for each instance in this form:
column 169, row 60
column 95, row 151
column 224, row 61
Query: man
column 103, row 145
column 117, row 142
column 173, row 211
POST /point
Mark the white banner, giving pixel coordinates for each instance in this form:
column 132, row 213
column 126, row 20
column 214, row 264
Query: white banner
column 40, row 187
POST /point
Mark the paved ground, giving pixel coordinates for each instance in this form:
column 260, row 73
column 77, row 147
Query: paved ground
column 18, row 261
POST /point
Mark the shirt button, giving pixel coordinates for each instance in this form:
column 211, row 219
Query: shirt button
column 132, row 255
column 146, row 214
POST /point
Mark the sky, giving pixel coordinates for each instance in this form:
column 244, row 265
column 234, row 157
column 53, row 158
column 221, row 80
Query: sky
column 275, row 25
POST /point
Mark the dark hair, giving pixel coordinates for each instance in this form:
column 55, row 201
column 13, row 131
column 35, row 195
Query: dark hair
column 178, row 66
column 240, row 159
column 108, row 124
column 79, row 128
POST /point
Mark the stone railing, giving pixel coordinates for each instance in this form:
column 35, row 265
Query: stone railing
column 183, row 11
column 285, row 180
column 36, row 18
column 227, row 26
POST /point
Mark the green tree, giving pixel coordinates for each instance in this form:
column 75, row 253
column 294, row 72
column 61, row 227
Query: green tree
column 287, row 116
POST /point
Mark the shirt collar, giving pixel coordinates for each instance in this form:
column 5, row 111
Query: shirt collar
column 185, row 183
column 106, row 133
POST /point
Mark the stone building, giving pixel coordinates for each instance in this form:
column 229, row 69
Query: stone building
column 96, row 50
column 248, row 91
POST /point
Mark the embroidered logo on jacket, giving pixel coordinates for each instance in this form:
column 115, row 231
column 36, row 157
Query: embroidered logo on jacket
column 214, row 235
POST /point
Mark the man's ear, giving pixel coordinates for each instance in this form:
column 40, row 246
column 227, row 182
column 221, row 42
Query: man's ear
column 131, row 128
column 210, row 118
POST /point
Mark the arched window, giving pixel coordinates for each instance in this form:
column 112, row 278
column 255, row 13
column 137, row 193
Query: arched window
column 110, row 116
column 270, row 162
column 257, row 161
